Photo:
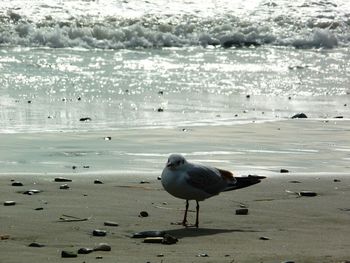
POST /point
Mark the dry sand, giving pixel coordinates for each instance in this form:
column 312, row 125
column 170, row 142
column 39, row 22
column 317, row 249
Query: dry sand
column 298, row 229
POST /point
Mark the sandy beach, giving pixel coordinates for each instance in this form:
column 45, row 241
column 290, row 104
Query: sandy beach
column 281, row 226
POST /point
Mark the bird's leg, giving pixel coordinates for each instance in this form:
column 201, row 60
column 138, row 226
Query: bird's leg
column 184, row 222
column 197, row 214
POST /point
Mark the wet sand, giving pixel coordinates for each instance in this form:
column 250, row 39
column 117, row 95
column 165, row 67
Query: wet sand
column 298, row 229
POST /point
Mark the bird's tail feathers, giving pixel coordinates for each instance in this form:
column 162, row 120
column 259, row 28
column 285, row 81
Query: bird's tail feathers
column 245, row 181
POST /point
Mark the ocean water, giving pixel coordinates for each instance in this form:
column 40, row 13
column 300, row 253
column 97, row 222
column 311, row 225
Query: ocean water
column 113, row 66
column 132, row 64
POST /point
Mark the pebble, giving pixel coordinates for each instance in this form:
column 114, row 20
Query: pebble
column 160, row 109
column 103, row 247
column 143, row 214
column 153, row 240
column 264, row 238
column 4, row 237
column 99, row 233
column 17, row 183
column 108, row 138
column 295, row 182
column 31, row 192
column 85, row 250
column 150, row 233
column 159, row 178
column 68, row 254
column 307, row 193
column 98, row 182
column 85, row 119
column 202, row 255
column 39, row 208
column 64, row 186
column 62, row 179
column 9, row 203
column 282, row 171
column 110, row 223
column 336, row 180
column 144, row 182
column 299, row 116
column 169, row 240
column 242, row 211
column 35, row 244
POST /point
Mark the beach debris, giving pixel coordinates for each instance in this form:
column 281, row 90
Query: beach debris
column 338, row 117
column 159, row 178
column 337, row 180
column 9, row 203
column 160, row 92
column 85, row 250
column 68, row 254
column 103, row 247
column 86, row 166
column 99, row 233
column 242, row 211
column 160, row 109
column 85, row 119
column 98, row 181
column 4, row 237
column 169, row 240
column 35, row 244
column 288, row 261
column 202, row 255
column 153, row 240
column 31, row 192
column 64, row 186
column 69, row 218
column 144, row 182
column 110, row 223
column 39, row 208
column 107, row 138
column 17, row 183
column 307, row 193
column 299, row 116
column 62, row 179
column 160, row 255
column 143, row 214
column 149, row 233
column 294, row 182
column 264, row 238
column 282, row 171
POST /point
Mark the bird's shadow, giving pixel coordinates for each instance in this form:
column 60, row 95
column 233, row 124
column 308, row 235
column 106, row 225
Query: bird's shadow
column 197, row 232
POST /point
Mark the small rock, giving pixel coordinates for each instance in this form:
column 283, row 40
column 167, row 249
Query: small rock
column 99, row 233
column 150, row 233
column 110, row 223
column 68, row 254
column 247, row 96
column 74, row 167
column 103, row 247
column 336, row 180
column 29, row 101
column 288, row 261
column 4, row 237
column 17, row 183
column 153, row 240
column 9, row 203
column 99, row 257
column 85, row 250
column 85, row 119
column 160, row 255
column 35, row 244
column 299, row 116
column 98, row 182
column 307, row 193
column 64, row 186
column 338, row 117
column 143, row 214
column 169, row 240
column 203, row 255
column 31, row 192
column 264, row 238
column 86, row 166
column 159, row 178
column 160, row 92
column 39, row 208
column 295, row 182
column 282, row 171
column 144, row 182
column 160, row 109
column 242, row 211
column 108, row 138
column 62, row 179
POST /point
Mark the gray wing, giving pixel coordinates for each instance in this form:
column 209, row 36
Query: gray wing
column 207, row 179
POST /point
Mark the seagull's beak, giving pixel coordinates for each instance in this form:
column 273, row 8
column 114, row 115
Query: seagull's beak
column 170, row 165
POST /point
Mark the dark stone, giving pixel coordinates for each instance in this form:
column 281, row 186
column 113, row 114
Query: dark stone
column 264, row 238
column 62, row 179
column 35, row 244
column 338, row 117
column 86, row 166
column 85, row 250
column 283, row 171
column 17, row 183
column 160, row 92
column 108, row 138
column 98, row 182
column 9, row 203
column 99, row 233
column 295, row 182
column 307, row 193
column 247, row 96
column 150, row 233
column 143, row 214
column 153, row 240
column 74, row 167
column 144, row 182
column 336, row 180
column 203, row 255
column 103, row 247
column 159, row 178
column 242, row 211
column 160, row 109
column 169, row 240
column 39, row 209
column 299, row 116
column 85, row 119
column 64, row 186
column 68, row 254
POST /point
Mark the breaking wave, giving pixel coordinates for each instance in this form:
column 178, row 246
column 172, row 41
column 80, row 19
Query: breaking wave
column 155, row 31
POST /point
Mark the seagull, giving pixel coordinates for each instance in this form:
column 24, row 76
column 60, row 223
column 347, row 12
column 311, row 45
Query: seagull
column 190, row 181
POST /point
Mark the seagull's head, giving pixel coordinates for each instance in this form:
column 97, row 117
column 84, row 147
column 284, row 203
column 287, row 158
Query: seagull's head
column 176, row 162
